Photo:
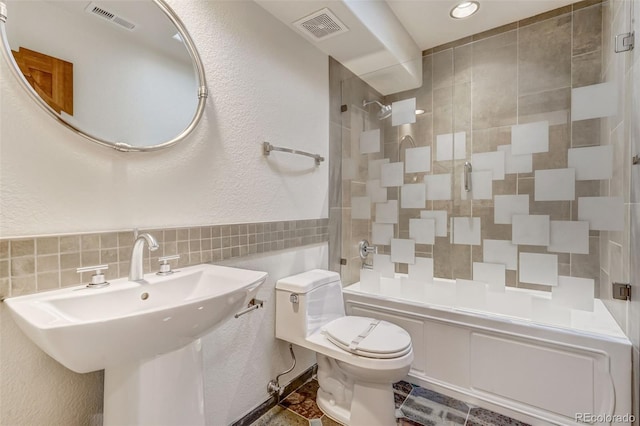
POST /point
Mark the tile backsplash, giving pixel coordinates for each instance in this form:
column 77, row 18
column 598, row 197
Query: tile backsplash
column 30, row 265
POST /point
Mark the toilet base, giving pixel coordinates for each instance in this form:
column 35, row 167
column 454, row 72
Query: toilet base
column 372, row 405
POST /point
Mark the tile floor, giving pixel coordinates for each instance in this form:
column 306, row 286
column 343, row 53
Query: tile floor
column 414, row 406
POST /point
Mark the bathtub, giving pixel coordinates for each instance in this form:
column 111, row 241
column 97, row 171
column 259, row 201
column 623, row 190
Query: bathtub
column 565, row 369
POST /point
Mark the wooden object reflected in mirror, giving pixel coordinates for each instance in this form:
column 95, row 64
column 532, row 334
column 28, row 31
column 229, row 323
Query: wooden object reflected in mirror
column 50, row 77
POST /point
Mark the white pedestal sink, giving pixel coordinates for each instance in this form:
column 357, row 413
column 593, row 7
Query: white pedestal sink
column 145, row 335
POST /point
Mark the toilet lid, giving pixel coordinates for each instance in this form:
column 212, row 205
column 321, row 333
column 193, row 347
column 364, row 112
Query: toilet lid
column 368, row 337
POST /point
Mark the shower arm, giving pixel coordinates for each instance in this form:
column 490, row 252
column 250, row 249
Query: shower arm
column 366, row 103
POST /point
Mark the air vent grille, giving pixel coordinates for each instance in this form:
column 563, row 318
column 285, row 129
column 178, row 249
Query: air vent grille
column 321, row 25
column 109, row 16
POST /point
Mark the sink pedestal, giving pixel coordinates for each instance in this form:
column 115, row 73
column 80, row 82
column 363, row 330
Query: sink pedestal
column 164, row 390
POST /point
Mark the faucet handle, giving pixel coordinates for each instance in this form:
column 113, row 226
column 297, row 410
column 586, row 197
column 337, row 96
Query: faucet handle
column 97, row 279
column 165, row 267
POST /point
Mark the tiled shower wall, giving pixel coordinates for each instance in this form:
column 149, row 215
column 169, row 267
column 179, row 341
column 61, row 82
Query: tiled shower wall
column 30, row 265
column 520, row 73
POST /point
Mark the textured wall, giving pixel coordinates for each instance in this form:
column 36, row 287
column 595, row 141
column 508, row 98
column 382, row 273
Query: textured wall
column 264, row 85
column 236, row 382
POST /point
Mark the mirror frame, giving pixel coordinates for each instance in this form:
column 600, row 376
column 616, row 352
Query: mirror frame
column 118, row 146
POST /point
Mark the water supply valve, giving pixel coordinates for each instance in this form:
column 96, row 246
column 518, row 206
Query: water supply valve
column 97, row 279
column 165, row 267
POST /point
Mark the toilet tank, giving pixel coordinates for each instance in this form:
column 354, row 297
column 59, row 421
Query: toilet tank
column 319, row 301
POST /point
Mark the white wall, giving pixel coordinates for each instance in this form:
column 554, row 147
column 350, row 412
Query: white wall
column 265, row 83
column 236, row 382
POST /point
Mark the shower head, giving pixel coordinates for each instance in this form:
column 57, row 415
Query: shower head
column 385, row 110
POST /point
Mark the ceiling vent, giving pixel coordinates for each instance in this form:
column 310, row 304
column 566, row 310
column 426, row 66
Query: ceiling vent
column 321, row 25
column 96, row 10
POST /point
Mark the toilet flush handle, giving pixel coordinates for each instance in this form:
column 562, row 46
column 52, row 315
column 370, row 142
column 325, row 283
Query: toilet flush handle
column 293, row 298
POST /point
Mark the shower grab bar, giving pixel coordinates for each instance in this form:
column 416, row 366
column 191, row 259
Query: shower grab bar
column 467, row 176
column 267, row 148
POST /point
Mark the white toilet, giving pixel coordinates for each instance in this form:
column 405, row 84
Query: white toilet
column 358, row 358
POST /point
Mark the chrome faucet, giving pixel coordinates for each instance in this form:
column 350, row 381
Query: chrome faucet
column 136, row 272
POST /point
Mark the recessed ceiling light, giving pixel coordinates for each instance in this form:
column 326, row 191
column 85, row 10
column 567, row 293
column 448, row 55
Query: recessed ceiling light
column 464, row 9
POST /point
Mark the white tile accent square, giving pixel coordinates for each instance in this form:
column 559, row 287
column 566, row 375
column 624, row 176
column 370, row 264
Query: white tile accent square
column 538, row 268
column 481, row 186
column 391, row 174
column 383, row 265
column 555, row 185
column 493, row 161
column 592, row 163
column 440, row 293
column 438, row 187
column 602, row 213
column 423, row 231
column 370, row 141
column 530, row 138
column 375, row 168
column 569, row 237
column 360, row 208
column 509, row 303
column 505, row 206
column 387, row 212
column 349, row 169
column 451, row 146
column 412, row 290
column 530, row 230
column 370, row 281
column 595, row 101
column 381, row 233
column 422, row 270
column 573, row 293
column 377, row 193
column 417, row 159
column 545, row 312
column 403, row 112
column 444, row 147
column 460, row 145
column 440, row 216
column 500, row 251
column 413, row 196
column 466, row 230
column 516, row 163
column 471, row 294
column 403, row 251
column 391, row 287
column 493, row 274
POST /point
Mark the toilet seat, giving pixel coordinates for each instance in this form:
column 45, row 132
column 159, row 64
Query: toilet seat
column 368, row 337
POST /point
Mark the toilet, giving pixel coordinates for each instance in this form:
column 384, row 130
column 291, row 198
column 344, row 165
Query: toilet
column 359, row 358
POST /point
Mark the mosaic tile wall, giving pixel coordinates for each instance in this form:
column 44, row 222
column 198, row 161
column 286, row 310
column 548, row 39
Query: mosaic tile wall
column 30, row 265
column 517, row 102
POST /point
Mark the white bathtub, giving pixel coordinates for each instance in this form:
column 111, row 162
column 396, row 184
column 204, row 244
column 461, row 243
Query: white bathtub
column 540, row 373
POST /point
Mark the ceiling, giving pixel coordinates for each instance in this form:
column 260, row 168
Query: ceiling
column 385, row 38
column 429, row 24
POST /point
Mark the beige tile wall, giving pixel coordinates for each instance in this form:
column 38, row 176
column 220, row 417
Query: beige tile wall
column 31, row 265
column 483, row 85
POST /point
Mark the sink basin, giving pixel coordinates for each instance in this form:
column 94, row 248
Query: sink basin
column 92, row 329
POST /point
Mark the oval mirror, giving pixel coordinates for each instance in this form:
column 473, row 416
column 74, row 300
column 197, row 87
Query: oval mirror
column 123, row 74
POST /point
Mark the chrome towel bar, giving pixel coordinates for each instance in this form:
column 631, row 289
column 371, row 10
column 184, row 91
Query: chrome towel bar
column 267, row 148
